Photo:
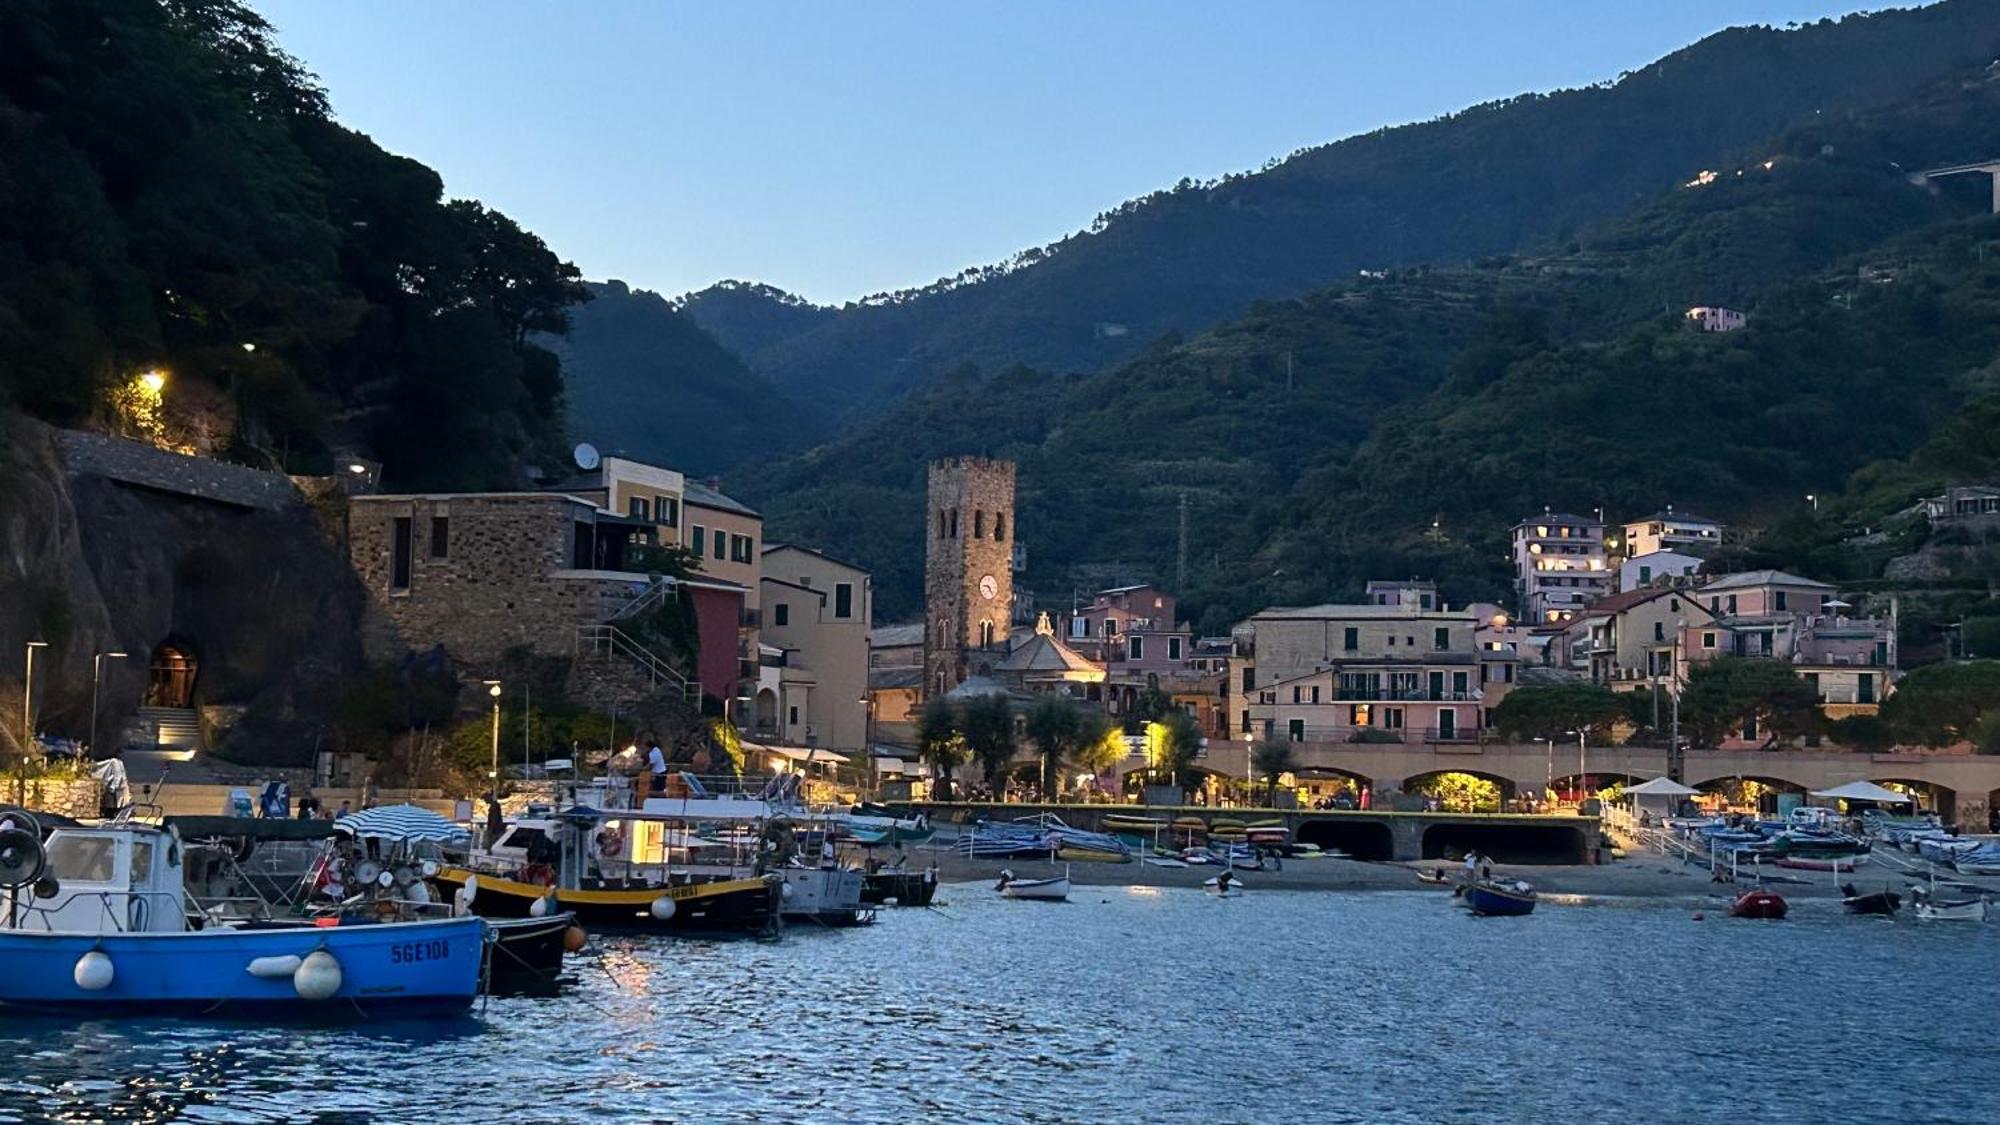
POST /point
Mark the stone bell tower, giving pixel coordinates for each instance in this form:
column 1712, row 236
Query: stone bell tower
column 968, row 569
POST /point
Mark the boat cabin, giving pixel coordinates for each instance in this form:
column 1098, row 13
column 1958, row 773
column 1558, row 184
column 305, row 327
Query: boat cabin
column 122, row 878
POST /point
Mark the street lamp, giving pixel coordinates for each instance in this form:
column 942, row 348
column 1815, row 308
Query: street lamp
column 97, row 674
column 1549, row 787
column 27, row 697
column 1813, row 499
column 493, row 689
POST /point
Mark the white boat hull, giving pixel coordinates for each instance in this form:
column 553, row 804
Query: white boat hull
column 1039, row 890
column 1974, row 911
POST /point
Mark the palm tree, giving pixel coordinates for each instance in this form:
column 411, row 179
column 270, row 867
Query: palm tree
column 939, row 744
column 1271, row 759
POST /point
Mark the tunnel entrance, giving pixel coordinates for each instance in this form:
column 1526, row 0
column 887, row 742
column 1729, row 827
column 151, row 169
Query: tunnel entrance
column 1362, row 839
column 170, row 678
column 1507, row 843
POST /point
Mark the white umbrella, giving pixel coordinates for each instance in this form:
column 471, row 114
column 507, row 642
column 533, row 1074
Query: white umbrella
column 1661, row 787
column 402, row 822
column 1863, row 791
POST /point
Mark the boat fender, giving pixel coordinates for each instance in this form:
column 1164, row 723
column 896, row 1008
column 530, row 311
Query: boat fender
column 94, row 971
column 573, row 939
column 786, row 892
column 318, row 976
column 271, row 968
column 663, row 908
column 892, row 900
column 539, row 908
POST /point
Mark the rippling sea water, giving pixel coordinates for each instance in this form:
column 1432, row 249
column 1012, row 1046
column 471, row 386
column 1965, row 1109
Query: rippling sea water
column 1132, row 1005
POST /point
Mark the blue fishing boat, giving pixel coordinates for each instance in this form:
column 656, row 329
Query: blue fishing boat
column 1489, row 898
column 97, row 920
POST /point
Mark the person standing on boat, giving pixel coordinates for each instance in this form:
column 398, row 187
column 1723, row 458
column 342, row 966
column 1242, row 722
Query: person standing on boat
column 1471, row 865
column 656, row 763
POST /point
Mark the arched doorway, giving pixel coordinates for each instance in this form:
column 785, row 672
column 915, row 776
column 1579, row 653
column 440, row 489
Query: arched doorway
column 1325, row 785
column 1462, row 790
column 1761, row 795
column 765, row 718
column 1925, row 797
column 170, row 679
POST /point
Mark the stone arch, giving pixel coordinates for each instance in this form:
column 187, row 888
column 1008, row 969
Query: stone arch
column 1930, row 795
column 1368, row 839
column 1507, row 843
column 171, row 673
column 1418, row 783
column 1594, row 782
column 1767, row 795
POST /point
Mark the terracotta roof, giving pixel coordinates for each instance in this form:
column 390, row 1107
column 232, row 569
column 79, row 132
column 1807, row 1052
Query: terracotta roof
column 1043, row 653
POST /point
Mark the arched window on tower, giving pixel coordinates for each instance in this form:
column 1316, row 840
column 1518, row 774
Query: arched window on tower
column 999, row 526
column 985, row 634
column 940, row 523
column 978, row 523
column 954, row 523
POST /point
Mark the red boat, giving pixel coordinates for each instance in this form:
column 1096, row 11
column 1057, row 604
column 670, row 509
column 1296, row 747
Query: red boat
column 1759, row 903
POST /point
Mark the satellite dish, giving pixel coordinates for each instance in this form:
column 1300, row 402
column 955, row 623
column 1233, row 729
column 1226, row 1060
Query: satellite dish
column 586, row 456
column 22, row 860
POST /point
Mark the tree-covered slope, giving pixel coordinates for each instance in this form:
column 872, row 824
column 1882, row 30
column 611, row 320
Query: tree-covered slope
column 175, row 196
column 1495, row 179
column 644, row 379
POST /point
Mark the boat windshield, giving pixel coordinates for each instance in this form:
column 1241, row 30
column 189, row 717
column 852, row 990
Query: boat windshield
column 82, row 859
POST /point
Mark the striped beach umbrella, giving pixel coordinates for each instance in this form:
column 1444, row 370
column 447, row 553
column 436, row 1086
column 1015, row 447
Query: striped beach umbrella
column 402, row 822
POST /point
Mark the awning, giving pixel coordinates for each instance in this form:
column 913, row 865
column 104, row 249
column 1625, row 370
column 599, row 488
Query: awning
column 1661, row 787
column 900, row 766
column 799, row 753
column 1863, row 791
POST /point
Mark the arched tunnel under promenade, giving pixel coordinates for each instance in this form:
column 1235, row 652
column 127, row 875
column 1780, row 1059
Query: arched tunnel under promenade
column 1362, row 839
column 1507, row 843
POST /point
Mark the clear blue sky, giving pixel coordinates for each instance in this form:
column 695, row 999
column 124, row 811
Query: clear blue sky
column 839, row 149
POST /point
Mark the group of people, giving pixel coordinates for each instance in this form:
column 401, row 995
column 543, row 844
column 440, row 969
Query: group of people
column 275, row 803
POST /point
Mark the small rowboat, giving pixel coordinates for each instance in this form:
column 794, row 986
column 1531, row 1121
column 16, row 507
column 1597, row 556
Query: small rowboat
column 1758, row 903
column 1054, row 889
column 1233, row 888
column 1267, row 836
column 1500, row 900
column 1881, row 902
column 1822, row 863
column 1930, row 908
column 1132, row 823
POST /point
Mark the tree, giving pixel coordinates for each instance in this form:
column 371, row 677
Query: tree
column 1544, row 711
column 1730, row 692
column 1940, row 704
column 939, row 743
column 1151, row 705
column 1176, row 744
column 1105, row 751
column 1060, row 731
column 1272, row 758
column 987, row 725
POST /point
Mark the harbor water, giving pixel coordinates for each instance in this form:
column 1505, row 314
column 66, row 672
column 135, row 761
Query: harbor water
column 1130, row 1004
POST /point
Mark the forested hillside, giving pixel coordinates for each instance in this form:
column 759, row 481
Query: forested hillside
column 1495, row 179
column 175, row 198
column 1422, row 411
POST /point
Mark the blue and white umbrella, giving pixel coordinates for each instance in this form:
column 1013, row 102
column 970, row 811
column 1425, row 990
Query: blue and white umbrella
column 402, row 822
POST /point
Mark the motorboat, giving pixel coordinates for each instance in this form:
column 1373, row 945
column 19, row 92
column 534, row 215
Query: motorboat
column 1759, row 903
column 897, row 886
column 876, row 825
column 98, row 920
column 1880, row 902
column 1224, row 885
column 1928, row 907
column 1499, row 898
column 1055, row 889
column 1982, row 859
column 826, row 893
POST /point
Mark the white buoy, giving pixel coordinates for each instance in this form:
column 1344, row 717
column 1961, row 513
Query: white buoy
column 539, row 908
column 663, row 908
column 318, row 976
column 271, row 968
column 94, row 971
column 785, row 892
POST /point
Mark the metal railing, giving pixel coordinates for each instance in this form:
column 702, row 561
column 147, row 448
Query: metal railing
column 1385, row 736
column 1402, row 695
column 655, row 592
column 610, row 642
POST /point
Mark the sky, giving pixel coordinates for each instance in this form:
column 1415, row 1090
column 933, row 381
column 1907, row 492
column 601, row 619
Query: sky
column 838, row 150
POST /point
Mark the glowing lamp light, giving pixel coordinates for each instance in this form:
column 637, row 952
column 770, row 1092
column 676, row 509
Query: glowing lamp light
column 357, row 469
column 154, row 381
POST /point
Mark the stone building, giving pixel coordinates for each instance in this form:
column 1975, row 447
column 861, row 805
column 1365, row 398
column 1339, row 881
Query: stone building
column 968, row 569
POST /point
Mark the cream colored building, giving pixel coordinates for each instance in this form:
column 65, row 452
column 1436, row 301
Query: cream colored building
column 816, row 612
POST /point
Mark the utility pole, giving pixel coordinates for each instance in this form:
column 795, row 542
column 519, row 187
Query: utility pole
column 1675, row 766
column 1180, row 556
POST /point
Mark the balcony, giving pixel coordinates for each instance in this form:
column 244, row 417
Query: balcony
column 1389, row 695
column 1386, row 736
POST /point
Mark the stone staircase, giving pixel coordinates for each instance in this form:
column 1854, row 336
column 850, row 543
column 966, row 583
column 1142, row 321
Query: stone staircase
column 178, row 728
column 607, row 644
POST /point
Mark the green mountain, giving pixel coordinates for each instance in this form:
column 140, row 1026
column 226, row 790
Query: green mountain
column 644, row 379
column 1495, row 179
column 1396, row 424
column 175, row 197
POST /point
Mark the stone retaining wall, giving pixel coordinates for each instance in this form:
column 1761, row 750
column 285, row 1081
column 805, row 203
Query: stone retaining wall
column 135, row 462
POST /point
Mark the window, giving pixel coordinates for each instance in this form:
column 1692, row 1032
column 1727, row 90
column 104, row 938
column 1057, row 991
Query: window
column 1732, row 605
column 999, row 526
column 1249, row 679
column 1715, row 605
column 1780, row 602
column 1645, row 575
column 1708, row 640
column 1437, row 685
column 843, row 600
column 1110, row 626
column 1315, row 693
column 1360, row 715
column 742, row 548
column 142, row 863
column 954, row 523
column 440, row 537
column 721, row 544
column 985, row 634
column 1392, row 718
column 979, row 523
column 941, row 523
column 1458, row 685
column 1173, row 648
column 1864, row 688
column 1441, row 638
column 667, row 510
column 1812, row 682
column 1673, row 605
column 1247, row 728
column 639, row 508
column 1079, row 628
column 1296, row 730
column 1298, row 694
column 1135, row 647
column 697, row 539
column 399, row 554
column 1350, row 638
column 1659, row 630
column 781, row 614
column 793, row 712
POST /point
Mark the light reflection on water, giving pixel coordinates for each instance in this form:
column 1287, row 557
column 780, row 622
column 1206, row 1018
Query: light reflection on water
column 1130, row 1004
